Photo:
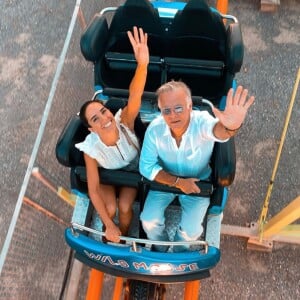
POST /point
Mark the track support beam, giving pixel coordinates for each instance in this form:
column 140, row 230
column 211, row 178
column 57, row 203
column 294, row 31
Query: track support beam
column 192, row 290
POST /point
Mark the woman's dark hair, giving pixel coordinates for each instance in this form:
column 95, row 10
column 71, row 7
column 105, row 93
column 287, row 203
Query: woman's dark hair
column 82, row 111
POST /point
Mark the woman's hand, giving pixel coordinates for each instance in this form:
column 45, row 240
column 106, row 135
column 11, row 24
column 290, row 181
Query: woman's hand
column 112, row 233
column 139, row 41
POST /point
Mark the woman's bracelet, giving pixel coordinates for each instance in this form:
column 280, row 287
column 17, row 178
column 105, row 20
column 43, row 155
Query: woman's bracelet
column 175, row 182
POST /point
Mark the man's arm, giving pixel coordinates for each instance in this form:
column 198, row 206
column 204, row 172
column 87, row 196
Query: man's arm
column 232, row 118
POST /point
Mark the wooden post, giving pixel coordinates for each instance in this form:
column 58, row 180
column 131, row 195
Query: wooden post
column 44, row 211
column 60, row 191
column 269, row 5
column 73, row 286
column 286, row 216
column 81, row 19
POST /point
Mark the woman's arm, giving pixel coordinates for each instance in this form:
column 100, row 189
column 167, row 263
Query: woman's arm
column 138, row 41
column 93, row 180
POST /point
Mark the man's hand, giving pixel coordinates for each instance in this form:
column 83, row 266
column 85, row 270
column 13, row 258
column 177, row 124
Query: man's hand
column 188, row 185
column 236, row 108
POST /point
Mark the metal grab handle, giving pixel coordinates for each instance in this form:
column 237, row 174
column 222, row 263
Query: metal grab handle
column 135, row 241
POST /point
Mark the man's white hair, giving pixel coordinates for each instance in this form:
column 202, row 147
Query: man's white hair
column 172, row 86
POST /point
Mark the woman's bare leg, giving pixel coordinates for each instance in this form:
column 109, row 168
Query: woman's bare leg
column 108, row 194
column 126, row 198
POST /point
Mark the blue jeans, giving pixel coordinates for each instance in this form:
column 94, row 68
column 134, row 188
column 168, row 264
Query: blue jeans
column 190, row 226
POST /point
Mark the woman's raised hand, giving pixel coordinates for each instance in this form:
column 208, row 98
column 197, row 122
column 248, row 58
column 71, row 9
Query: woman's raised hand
column 138, row 40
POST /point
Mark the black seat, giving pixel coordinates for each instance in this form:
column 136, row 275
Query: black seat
column 199, row 40
column 199, row 30
column 222, row 161
column 109, row 48
column 138, row 13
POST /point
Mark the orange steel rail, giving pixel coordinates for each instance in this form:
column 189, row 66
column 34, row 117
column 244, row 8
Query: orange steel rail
column 118, row 288
column 95, row 285
column 191, row 290
column 222, row 6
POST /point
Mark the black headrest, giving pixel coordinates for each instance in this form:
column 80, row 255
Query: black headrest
column 197, row 19
column 200, row 30
column 138, row 13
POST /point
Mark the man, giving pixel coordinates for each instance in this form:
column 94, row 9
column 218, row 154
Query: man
column 177, row 150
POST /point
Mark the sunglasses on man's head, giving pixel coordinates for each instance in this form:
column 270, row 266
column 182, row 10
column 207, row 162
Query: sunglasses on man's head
column 177, row 110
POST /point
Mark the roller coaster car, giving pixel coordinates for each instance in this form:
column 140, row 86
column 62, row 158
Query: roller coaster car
column 191, row 42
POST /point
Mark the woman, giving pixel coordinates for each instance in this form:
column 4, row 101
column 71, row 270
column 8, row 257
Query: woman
column 112, row 144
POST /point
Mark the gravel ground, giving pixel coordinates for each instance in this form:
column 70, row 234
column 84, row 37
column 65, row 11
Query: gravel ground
column 32, row 34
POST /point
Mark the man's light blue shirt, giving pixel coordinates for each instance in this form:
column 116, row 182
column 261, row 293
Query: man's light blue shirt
column 190, row 159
